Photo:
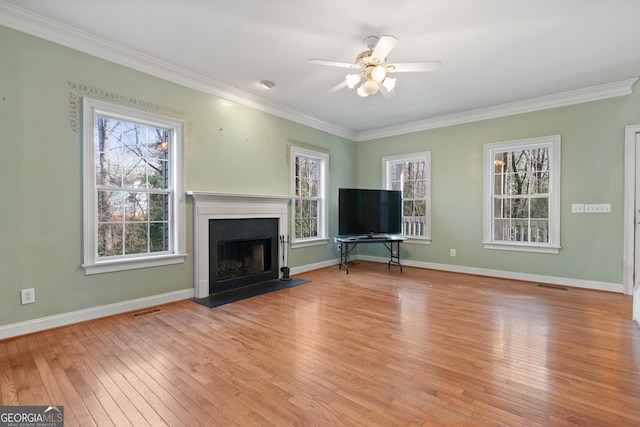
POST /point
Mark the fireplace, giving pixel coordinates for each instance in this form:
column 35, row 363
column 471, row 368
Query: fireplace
column 242, row 252
column 224, row 206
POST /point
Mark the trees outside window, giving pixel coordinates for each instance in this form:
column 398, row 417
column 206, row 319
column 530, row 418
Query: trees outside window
column 309, row 175
column 133, row 188
column 411, row 174
column 522, row 194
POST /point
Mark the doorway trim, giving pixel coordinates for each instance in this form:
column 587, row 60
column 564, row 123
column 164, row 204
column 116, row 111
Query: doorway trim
column 628, row 264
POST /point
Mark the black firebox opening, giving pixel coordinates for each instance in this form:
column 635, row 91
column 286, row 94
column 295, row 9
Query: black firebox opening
column 242, row 252
column 237, row 258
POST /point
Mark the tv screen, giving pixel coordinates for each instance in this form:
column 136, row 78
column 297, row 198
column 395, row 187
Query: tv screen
column 369, row 212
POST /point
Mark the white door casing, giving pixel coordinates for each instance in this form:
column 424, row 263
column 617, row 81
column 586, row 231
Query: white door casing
column 631, row 261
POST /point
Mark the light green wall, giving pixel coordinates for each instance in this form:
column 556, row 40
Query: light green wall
column 229, row 148
column 592, row 172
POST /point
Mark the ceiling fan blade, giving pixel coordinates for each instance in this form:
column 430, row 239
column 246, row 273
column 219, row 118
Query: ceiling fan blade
column 337, row 87
column 414, row 67
column 332, row 63
column 384, row 46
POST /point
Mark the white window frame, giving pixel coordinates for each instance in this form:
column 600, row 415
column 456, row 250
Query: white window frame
column 425, row 156
column 554, row 144
column 322, row 197
column 92, row 264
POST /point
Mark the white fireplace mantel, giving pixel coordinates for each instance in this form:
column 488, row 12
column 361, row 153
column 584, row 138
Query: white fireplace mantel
column 229, row 206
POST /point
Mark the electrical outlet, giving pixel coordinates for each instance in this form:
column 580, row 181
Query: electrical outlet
column 453, row 252
column 28, row 296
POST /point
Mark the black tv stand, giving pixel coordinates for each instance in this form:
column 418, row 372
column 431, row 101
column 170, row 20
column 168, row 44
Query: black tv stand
column 348, row 244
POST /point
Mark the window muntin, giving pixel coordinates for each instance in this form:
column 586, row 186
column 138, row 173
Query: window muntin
column 309, row 203
column 522, row 194
column 411, row 174
column 133, row 194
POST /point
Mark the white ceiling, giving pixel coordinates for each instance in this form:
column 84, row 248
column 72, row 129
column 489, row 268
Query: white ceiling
column 494, row 52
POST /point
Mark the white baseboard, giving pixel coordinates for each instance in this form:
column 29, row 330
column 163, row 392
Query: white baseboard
column 552, row 280
column 49, row 322
column 314, row 266
column 43, row 323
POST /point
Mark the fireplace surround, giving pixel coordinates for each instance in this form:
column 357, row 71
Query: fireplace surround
column 213, row 206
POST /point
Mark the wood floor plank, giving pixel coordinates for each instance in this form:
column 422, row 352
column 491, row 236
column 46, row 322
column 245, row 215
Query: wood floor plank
column 8, row 392
column 376, row 347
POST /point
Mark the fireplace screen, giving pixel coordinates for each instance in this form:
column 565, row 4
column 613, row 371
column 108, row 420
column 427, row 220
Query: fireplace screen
column 239, row 258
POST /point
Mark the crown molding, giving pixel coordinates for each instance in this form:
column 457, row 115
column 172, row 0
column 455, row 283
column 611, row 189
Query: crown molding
column 594, row 93
column 45, row 28
column 48, row 29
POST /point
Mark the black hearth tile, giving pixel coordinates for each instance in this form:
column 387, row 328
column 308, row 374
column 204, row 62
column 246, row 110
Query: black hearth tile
column 227, row 297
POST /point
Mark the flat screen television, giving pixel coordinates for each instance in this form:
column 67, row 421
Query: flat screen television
column 363, row 212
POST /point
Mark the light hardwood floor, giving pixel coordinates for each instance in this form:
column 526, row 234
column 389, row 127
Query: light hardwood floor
column 371, row 348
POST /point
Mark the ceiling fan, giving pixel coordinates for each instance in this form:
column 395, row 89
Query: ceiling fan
column 372, row 68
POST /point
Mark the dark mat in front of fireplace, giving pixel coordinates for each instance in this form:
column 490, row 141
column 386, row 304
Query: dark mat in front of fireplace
column 221, row 298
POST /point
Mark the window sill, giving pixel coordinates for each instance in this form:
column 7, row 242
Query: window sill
column 522, row 248
column 132, row 264
column 309, row 242
column 417, row 241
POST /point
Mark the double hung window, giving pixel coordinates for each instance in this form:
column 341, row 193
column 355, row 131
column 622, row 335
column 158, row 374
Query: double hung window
column 309, row 181
column 522, row 195
column 411, row 174
column 133, row 197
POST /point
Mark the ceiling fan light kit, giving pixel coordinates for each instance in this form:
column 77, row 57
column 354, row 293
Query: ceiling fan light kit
column 369, row 87
column 373, row 68
column 353, row 80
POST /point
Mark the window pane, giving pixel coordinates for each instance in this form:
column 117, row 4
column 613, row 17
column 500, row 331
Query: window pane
column 519, row 208
column 407, row 207
column 513, row 184
column 540, row 183
column 157, row 172
column 306, row 220
column 421, row 188
column 136, row 238
column 307, row 177
column 540, row 208
column 110, row 206
column 500, row 229
column 313, row 227
column 158, row 236
column 408, row 189
column 136, row 207
column 500, row 163
column 540, row 231
column 396, row 171
column 158, row 207
column 420, row 208
column 110, row 239
column 499, row 208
